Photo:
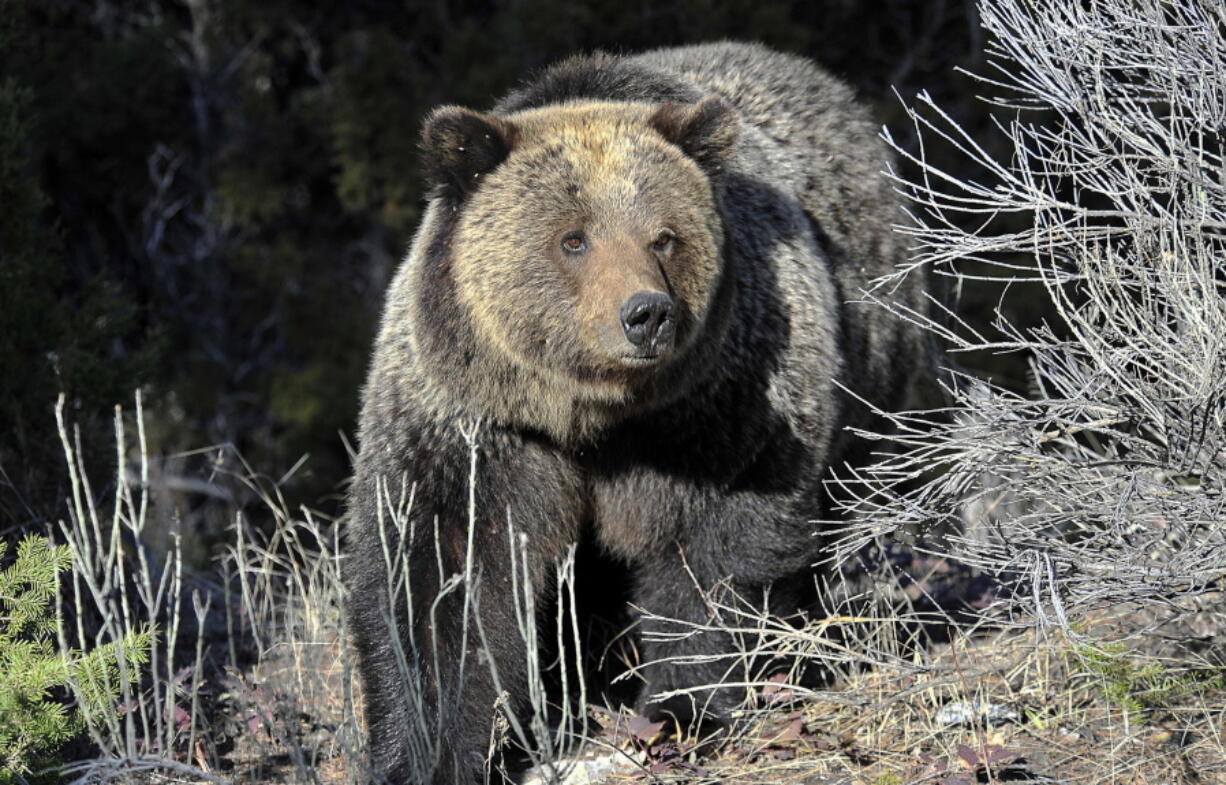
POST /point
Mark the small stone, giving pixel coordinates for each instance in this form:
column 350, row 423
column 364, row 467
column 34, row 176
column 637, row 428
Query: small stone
column 976, row 713
column 585, row 769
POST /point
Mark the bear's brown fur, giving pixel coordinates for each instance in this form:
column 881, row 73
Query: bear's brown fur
column 629, row 292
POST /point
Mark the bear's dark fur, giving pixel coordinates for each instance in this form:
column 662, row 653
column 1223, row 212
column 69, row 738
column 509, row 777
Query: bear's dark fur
column 628, row 303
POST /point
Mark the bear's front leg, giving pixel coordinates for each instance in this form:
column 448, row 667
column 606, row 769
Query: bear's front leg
column 736, row 553
column 437, row 583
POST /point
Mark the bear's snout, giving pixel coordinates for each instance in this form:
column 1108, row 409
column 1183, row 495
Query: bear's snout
column 648, row 322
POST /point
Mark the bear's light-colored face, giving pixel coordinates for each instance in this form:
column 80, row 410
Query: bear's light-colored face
column 592, row 251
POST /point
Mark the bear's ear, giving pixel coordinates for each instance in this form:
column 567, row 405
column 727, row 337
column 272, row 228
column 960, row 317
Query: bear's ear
column 705, row 131
column 460, row 147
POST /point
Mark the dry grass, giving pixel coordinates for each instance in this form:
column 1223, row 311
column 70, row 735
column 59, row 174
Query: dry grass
column 258, row 684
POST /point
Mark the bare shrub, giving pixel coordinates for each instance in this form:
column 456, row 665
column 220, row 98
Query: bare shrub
column 290, row 698
column 120, row 587
column 1105, row 484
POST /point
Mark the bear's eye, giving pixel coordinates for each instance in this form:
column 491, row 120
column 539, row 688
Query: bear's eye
column 574, row 242
column 663, row 240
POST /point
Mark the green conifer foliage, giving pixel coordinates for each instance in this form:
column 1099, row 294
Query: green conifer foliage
column 32, row 725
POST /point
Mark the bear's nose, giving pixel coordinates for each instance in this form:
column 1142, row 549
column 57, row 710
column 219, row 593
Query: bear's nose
column 647, row 318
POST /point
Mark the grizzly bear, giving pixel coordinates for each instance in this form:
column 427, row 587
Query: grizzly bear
column 627, row 318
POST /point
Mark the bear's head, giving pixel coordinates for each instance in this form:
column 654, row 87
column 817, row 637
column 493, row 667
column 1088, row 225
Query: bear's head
column 587, row 240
